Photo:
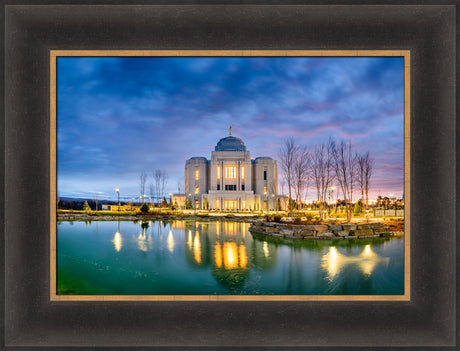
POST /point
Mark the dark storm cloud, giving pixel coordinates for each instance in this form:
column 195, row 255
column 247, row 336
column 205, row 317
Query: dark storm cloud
column 119, row 116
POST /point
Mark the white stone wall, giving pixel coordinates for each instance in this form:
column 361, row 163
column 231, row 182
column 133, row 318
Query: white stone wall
column 271, row 182
column 191, row 166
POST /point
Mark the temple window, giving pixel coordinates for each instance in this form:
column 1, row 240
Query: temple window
column 230, row 172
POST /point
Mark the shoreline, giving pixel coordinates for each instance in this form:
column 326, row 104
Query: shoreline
column 149, row 217
column 287, row 227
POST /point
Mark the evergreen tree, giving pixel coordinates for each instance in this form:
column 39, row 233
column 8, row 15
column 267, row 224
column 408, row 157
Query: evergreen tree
column 357, row 209
column 145, row 208
column 86, row 207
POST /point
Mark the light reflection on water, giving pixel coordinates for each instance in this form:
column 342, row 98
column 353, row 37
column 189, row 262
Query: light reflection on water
column 333, row 262
column 117, row 241
column 197, row 247
column 222, row 257
column 170, row 241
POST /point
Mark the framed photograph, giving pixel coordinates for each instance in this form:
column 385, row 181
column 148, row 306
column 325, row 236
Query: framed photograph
column 229, row 176
column 227, row 229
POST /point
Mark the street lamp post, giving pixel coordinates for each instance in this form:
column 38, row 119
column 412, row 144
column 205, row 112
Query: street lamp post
column 118, row 193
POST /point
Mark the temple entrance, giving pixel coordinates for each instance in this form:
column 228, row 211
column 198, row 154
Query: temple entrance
column 231, row 204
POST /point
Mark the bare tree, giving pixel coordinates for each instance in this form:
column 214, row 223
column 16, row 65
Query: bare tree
column 142, row 181
column 272, row 192
column 323, row 171
column 307, row 184
column 160, row 179
column 360, row 173
column 345, row 166
column 180, row 187
column 282, row 185
column 287, row 154
column 152, row 193
column 365, row 165
column 302, row 165
column 164, row 181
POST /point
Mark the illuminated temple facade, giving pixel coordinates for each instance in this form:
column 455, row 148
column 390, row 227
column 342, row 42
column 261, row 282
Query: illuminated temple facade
column 231, row 180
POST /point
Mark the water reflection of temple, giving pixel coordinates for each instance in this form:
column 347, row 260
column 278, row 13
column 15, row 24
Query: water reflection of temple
column 228, row 249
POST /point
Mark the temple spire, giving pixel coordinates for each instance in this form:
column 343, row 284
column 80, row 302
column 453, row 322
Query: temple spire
column 231, row 130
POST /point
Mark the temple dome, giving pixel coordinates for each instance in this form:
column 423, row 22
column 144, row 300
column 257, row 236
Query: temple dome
column 230, row 143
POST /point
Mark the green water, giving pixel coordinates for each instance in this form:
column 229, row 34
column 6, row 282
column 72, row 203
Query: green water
column 205, row 258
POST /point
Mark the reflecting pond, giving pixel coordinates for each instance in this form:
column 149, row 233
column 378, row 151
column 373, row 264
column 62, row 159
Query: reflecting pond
column 219, row 257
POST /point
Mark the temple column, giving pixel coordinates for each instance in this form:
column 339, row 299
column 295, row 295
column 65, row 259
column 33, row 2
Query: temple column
column 221, row 180
column 238, row 176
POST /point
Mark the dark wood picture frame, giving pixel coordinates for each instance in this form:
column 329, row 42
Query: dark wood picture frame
column 31, row 320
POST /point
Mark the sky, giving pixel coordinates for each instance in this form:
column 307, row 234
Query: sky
column 120, row 116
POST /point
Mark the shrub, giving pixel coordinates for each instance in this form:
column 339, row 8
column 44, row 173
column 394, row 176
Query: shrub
column 145, row 208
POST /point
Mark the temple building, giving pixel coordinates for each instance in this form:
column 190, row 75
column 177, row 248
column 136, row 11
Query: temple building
column 231, row 180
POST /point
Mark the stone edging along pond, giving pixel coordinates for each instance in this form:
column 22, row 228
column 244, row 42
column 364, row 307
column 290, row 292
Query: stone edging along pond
column 322, row 231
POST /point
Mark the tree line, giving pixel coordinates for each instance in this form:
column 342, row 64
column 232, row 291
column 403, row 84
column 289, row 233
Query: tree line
column 321, row 165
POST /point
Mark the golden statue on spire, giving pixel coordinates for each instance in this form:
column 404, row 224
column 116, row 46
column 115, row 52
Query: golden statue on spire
column 231, row 130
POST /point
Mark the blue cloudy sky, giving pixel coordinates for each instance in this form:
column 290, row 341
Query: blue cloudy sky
column 120, row 116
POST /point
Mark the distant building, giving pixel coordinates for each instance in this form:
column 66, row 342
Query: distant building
column 178, row 200
column 115, row 208
column 231, row 180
